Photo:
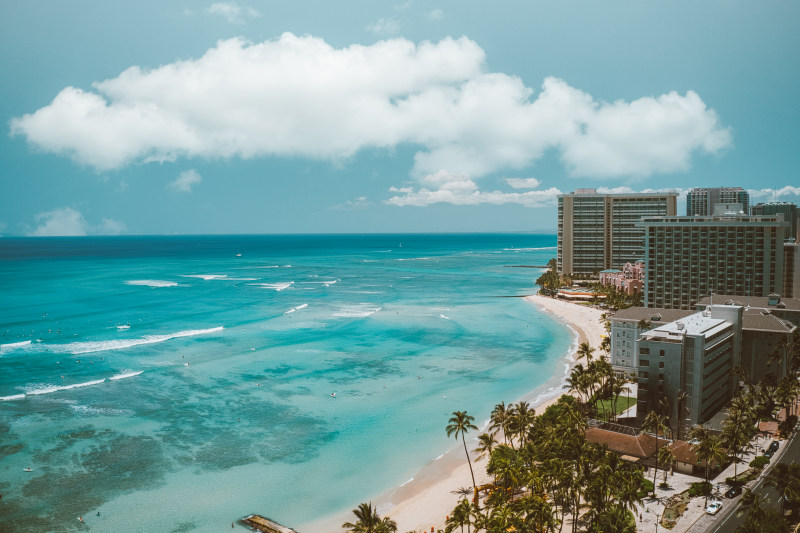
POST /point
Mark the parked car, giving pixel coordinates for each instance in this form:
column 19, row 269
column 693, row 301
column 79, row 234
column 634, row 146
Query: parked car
column 773, row 447
column 769, row 453
column 714, row 507
column 733, row 492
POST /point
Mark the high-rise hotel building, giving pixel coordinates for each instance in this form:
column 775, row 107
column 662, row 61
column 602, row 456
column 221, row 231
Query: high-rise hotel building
column 700, row 201
column 688, row 258
column 599, row 231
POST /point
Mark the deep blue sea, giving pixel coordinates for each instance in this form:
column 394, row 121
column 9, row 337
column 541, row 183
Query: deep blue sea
column 180, row 383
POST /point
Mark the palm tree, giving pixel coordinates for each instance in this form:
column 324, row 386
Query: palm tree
column 737, row 429
column 681, row 401
column 585, row 350
column 755, row 503
column 369, row 521
column 665, row 457
column 459, row 424
column 522, row 416
column 709, row 450
column 785, row 478
column 486, row 443
column 500, row 419
column 654, row 422
column 459, row 517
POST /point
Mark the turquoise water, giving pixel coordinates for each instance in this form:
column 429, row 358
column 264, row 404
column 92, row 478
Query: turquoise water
column 179, row 383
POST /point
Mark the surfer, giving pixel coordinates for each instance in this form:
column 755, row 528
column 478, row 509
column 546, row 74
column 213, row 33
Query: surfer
column 81, row 519
column 29, row 469
column 333, row 395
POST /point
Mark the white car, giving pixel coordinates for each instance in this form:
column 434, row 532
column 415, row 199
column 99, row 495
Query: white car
column 714, row 507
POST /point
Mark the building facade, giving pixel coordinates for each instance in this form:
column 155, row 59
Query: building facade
column 789, row 212
column 627, row 325
column 694, row 355
column 700, row 201
column 689, row 258
column 599, row 231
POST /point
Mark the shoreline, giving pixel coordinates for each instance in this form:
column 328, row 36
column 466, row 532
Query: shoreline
column 424, row 501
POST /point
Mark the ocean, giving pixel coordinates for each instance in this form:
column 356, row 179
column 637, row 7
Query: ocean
column 180, row 383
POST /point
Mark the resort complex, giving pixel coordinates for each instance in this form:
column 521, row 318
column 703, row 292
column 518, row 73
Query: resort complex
column 679, row 404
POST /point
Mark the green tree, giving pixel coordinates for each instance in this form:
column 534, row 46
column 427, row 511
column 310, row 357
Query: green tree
column 654, row 422
column 369, row 521
column 500, row 420
column 458, row 425
column 666, row 458
column 785, row 478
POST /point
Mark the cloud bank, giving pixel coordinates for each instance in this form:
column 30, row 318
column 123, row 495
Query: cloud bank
column 68, row 222
column 299, row 96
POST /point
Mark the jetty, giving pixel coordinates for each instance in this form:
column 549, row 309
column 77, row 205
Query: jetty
column 261, row 523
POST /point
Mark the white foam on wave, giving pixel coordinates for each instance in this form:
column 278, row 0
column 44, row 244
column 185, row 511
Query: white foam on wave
column 409, row 480
column 126, row 374
column 445, row 317
column 274, row 286
column 35, row 390
column 39, row 389
column 356, row 311
column 119, row 344
column 206, row 277
column 151, row 282
column 13, row 346
column 293, row 309
column 123, row 327
column 12, row 397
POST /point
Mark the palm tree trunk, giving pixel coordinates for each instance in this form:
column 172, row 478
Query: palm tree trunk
column 471, row 473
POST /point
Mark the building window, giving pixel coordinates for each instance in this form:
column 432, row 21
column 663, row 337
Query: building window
column 661, row 353
column 661, row 364
column 644, row 362
column 644, row 351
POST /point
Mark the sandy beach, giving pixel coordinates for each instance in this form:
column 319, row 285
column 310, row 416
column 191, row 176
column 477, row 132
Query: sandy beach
column 424, row 502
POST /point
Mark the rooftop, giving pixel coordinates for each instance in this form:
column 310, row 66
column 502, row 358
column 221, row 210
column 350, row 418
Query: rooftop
column 653, row 314
column 789, row 304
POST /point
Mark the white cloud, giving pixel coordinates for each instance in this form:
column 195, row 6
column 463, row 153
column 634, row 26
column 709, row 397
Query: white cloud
column 358, row 203
column 109, row 226
column 233, row 12
column 384, row 26
column 68, row 222
column 776, row 195
column 186, row 180
column 299, row 96
column 459, row 189
column 522, row 183
column 436, row 14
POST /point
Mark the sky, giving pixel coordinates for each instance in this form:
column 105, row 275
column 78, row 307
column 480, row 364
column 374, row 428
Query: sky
column 204, row 117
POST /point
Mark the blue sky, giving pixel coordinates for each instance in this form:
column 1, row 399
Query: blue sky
column 175, row 117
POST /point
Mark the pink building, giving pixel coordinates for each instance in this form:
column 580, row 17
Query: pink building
column 629, row 280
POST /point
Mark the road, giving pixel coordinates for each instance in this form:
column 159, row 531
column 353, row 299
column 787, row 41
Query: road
column 727, row 521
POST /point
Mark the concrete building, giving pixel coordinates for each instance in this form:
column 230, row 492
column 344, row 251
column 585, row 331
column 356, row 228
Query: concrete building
column 598, row 231
column 790, row 214
column 767, row 323
column 791, row 269
column 627, row 325
column 688, row 258
column 695, row 355
column 701, row 200
column 773, row 304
